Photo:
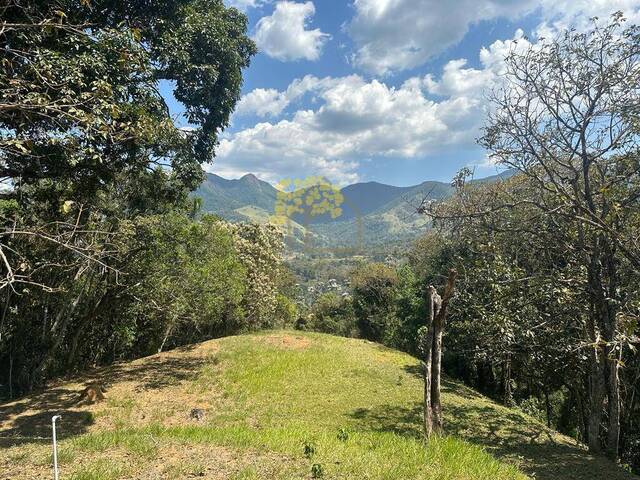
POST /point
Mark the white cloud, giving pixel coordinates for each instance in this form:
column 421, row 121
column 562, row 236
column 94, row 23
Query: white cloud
column 283, row 34
column 354, row 119
column 402, row 34
column 271, row 103
column 561, row 14
column 457, row 80
column 262, row 102
column 393, row 35
column 244, row 5
column 357, row 119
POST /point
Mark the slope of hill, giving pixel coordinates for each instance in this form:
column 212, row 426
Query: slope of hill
column 223, row 196
column 279, row 405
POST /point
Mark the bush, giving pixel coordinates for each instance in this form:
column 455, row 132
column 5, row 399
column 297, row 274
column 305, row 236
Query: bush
column 332, row 313
column 374, row 289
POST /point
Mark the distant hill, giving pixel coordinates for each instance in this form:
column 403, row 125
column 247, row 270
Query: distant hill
column 372, row 212
column 224, row 197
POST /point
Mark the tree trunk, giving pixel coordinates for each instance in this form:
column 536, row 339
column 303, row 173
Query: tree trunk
column 613, row 351
column 507, row 394
column 428, row 347
column 547, row 405
column 596, row 399
column 11, row 375
column 436, row 407
column 577, row 392
column 439, row 312
column 613, row 437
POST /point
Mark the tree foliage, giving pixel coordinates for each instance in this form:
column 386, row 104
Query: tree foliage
column 99, row 253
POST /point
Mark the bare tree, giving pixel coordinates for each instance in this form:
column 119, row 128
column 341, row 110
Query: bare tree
column 433, row 354
column 566, row 117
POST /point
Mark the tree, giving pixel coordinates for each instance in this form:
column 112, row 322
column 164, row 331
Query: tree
column 333, row 313
column 191, row 281
column 565, row 116
column 87, row 147
column 81, row 110
column 432, row 345
column 373, row 291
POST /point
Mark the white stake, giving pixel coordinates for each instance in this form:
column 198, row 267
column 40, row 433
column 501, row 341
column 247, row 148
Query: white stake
column 55, row 447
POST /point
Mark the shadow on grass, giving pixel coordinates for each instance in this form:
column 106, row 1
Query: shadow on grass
column 503, row 433
column 32, row 422
column 391, row 418
column 28, row 420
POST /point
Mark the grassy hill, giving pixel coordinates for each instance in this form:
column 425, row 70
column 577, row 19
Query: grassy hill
column 352, row 405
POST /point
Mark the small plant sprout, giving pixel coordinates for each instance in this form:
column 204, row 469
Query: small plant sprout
column 309, row 449
column 317, row 471
column 343, row 435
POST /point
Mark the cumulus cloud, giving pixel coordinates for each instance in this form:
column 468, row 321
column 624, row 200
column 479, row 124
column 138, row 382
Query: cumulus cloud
column 357, row 119
column 354, row 119
column 262, row 102
column 271, row 103
column 402, row 34
column 244, row 5
column 283, row 35
column 561, row 14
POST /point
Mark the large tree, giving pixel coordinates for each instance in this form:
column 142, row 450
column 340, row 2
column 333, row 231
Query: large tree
column 88, row 144
column 565, row 116
column 81, row 109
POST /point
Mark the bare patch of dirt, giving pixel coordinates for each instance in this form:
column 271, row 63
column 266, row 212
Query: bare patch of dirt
column 293, row 342
column 159, row 388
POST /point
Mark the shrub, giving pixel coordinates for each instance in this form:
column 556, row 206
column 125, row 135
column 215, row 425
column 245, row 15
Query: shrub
column 332, row 313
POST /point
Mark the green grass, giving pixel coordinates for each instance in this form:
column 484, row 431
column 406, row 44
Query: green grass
column 99, row 470
column 287, row 405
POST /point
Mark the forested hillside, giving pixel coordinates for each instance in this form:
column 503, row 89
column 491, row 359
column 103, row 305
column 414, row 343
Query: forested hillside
column 371, row 212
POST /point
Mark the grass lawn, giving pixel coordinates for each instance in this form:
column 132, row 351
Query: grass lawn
column 279, row 405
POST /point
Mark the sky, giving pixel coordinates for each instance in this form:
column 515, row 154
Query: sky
column 392, row 91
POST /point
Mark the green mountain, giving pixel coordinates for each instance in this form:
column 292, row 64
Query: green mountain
column 371, row 213
column 224, row 197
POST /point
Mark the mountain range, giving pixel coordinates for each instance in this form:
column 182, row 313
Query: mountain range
column 371, row 212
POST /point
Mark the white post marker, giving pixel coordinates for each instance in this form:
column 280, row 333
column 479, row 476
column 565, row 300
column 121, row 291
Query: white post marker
column 55, row 447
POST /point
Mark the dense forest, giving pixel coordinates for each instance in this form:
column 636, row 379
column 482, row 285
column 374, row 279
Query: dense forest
column 103, row 254
column 106, row 256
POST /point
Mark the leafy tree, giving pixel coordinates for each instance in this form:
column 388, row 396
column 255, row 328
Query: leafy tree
column 259, row 248
column 81, row 110
column 333, row 313
column 566, row 118
column 373, row 290
column 192, row 282
column 87, row 148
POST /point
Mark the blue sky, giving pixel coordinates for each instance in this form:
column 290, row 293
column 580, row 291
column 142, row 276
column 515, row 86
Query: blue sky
column 385, row 90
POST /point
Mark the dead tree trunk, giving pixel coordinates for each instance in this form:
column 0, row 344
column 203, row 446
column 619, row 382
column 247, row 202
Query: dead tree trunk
column 436, row 359
column 433, row 355
column 428, row 361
